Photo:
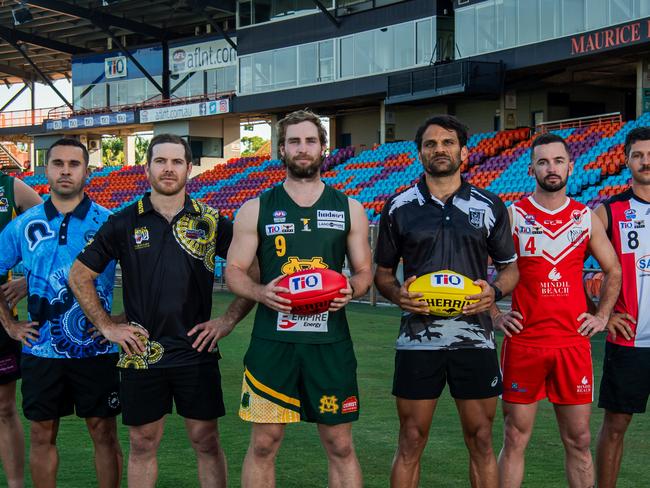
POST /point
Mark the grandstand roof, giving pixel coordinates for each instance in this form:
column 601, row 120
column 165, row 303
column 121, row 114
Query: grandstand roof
column 60, row 29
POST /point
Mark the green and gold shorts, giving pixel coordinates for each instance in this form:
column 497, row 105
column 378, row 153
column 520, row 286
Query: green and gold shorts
column 286, row 382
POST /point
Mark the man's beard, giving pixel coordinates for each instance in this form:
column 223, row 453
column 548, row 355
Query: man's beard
column 552, row 187
column 299, row 171
column 441, row 168
column 167, row 190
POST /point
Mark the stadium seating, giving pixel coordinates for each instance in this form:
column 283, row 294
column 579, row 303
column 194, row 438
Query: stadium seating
column 498, row 161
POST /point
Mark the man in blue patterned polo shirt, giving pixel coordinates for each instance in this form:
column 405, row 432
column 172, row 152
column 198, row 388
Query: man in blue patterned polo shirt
column 65, row 367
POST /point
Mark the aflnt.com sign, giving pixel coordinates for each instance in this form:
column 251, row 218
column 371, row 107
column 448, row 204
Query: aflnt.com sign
column 611, row 37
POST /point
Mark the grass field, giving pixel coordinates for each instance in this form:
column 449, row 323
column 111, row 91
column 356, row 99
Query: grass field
column 302, row 462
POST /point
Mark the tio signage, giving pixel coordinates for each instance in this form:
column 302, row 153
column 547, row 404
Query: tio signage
column 115, row 67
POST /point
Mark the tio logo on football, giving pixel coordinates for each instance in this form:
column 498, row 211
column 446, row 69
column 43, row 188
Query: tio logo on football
column 306, row 282
column 447, row 280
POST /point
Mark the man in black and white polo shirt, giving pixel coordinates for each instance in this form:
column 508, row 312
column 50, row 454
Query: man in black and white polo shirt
column 440, row 223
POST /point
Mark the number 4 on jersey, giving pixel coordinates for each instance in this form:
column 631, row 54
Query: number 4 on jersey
column 529, row 247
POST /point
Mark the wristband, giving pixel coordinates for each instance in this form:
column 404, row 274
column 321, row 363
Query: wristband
column 498, row 294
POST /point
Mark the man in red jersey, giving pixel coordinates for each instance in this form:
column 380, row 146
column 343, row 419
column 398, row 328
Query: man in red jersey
column 547, row 351
column 625, row 385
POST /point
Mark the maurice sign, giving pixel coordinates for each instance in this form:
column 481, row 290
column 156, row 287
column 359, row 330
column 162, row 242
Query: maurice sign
column 610, row 38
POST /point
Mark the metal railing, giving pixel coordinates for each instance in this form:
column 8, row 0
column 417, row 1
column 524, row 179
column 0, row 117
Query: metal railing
column 578, row 122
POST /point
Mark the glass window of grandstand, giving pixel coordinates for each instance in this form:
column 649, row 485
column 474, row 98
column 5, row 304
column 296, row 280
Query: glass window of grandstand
column 188, row 85
column 222, row 80
column 88, row 97
column 250, row 12
column 498, row 24
column 366, row 53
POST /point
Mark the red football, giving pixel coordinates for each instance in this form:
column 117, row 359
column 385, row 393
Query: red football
column 312, row 290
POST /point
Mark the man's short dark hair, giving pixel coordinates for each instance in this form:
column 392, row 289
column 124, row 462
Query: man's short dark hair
column 548, row 138
column 638, row 134
column 171, row 139
column 448, row 122
column 297, row 117
column 70, row 142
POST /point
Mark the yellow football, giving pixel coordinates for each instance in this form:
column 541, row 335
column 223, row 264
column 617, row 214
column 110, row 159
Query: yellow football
column 445, row 291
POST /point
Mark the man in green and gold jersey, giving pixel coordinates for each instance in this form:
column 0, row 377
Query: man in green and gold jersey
column 15, row 198
column 299, row 367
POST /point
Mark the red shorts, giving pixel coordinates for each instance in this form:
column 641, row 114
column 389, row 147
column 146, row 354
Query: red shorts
column 563, row 374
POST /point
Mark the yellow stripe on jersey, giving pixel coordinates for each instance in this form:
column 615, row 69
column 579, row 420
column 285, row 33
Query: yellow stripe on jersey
column 270, row 391
column 256, row 408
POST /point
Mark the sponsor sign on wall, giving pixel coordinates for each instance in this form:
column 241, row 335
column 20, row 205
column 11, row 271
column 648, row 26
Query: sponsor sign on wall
column 214, row 107
column 201, row 56
column 115, row 67
column 89, row 121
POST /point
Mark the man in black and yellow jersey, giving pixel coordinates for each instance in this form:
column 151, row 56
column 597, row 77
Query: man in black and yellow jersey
column 299, row 367
column 15, row 198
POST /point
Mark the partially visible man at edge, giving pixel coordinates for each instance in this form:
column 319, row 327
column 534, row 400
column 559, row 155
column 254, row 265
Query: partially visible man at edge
column 15, row 198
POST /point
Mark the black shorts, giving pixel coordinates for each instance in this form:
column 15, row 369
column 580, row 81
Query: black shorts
column 472, row 374
column 625, row 385
column 148, row 394
column 54, row 388
column 9, row 361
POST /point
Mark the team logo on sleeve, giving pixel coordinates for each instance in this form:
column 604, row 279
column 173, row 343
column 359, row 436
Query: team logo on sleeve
column 36, row 232
column 476, row 217
column 4, row 204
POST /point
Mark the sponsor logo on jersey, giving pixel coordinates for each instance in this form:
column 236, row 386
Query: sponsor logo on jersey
column 288, row 322
column 630, row 214
column 330, row 215
column 528, row 230
column 584, row 386
column 275, row 229
column 631, row 225
column 305, row 225
column 554, row 289
column 554, row 275
column 141, row 237
column 36, row 232
column 576, row 215
column 530, row 219
column 279, row 216
column 447, row 280
column 643, row 264
column 4, row 204
column 350, row 405
column 330, row 219
column 331, row 224
column 476, row 217
column 553, row 222
column 294, row 263
column 305, row 283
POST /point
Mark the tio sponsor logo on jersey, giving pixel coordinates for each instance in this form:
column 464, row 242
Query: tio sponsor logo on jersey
column 306, row 282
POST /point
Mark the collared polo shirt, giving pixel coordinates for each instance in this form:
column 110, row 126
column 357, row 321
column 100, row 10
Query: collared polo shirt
column 48, row 242
column 430, row 235
column 167, row 274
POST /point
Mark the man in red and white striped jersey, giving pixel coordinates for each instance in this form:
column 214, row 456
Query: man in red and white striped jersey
column 625, row 386
column 547, row 349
